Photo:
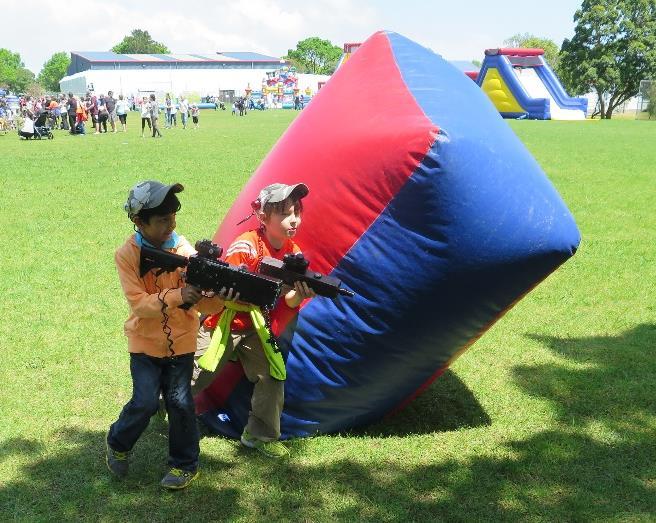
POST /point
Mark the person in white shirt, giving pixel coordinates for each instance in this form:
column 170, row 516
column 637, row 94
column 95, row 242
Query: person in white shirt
column 184, row 111
column 145, row 114
column 174, row 119
column 122, row 108
column 27, row 131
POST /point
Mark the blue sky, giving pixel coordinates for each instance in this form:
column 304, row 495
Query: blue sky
column 458, row 30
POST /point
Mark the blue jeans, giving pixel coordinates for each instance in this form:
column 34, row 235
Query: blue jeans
column 171, row 376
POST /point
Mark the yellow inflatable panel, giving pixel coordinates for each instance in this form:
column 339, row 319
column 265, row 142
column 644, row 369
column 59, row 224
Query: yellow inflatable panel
column 497, row 90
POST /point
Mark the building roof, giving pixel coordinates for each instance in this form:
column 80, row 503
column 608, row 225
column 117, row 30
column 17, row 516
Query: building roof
column 107, row 56
column 248, row 56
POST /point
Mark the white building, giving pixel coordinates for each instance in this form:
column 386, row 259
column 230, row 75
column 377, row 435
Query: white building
column 227, row 73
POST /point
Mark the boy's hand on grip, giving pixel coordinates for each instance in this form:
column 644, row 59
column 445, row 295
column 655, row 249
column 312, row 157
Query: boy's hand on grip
column 191, row 295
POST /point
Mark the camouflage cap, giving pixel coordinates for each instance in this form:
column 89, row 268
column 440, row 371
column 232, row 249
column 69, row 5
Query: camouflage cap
column 148, row 195
column 278, row 192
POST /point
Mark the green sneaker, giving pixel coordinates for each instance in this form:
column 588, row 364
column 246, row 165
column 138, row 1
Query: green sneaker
column 117, row 462
column 271, row 449
column 177, row 479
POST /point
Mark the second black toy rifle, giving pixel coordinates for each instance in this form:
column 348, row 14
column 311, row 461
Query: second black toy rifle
column 205, row 271
column 294, row 267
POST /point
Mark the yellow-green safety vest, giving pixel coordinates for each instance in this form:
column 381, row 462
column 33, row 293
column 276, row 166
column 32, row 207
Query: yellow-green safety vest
column 210, row 360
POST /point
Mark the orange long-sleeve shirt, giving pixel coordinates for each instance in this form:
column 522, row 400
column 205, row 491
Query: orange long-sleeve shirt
column 144, row 328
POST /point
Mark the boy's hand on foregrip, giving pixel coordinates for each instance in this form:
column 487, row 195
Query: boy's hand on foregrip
column 303, row 290
column 300, row 292
column 227, row 294
column 191, row 295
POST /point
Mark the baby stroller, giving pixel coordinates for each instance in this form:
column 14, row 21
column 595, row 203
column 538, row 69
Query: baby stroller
column 41, row 128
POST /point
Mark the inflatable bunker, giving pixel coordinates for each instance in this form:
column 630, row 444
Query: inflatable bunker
column 426, row 205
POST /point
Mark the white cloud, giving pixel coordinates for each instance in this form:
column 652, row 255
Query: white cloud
column 190, row 26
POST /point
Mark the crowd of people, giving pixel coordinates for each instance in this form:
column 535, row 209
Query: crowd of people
column 104, row 113
column 99, row 114
column 8, row 115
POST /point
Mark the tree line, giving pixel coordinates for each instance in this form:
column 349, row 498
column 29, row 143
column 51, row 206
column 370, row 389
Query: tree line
column 612, row 50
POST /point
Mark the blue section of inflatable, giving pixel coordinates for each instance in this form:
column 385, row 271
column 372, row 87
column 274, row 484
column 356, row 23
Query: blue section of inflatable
column 473, row 227
column 460, row 242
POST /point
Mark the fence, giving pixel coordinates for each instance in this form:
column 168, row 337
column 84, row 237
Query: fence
column 646, row 109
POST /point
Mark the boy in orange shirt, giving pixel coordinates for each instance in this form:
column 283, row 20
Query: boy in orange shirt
column 278, row 209
column 161, row 336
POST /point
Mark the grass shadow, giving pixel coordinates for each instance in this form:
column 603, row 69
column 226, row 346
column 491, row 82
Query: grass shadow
column 446, row 405
column 593, row 464
column 607, row 379
column 547, row 477
column 74, row 484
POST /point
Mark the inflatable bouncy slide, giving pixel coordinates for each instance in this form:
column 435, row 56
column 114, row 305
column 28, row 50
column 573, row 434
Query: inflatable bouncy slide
column 427, row 206
column 349, row 49
column 521, row 84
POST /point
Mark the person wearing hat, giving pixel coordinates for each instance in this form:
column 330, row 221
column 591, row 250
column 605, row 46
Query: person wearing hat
column 278, row 209
column 161, row 335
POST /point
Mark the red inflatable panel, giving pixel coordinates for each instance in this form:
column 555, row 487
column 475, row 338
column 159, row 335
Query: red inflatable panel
column 332, row 119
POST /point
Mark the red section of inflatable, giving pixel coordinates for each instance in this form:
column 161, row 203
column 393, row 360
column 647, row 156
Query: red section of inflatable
column 346, row 138
column 216, row 394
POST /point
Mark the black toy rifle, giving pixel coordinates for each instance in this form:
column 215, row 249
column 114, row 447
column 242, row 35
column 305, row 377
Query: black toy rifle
column 205, row 271
column 294, row 267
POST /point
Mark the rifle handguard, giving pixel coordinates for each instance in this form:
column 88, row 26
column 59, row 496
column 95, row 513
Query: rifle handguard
column 294, row 267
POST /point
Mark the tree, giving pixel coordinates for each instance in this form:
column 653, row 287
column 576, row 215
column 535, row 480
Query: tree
column 13, row 74
column 35, row 89
column 24, row 79
column 140, row 42
column 53, row 71
column 613, row 48
column 314, row 55
column 529, row 41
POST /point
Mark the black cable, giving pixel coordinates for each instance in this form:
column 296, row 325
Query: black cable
column 273, row 340
column 165, row 317
column 266, row 311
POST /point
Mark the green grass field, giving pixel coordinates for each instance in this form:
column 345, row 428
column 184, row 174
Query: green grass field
column 550, row 416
